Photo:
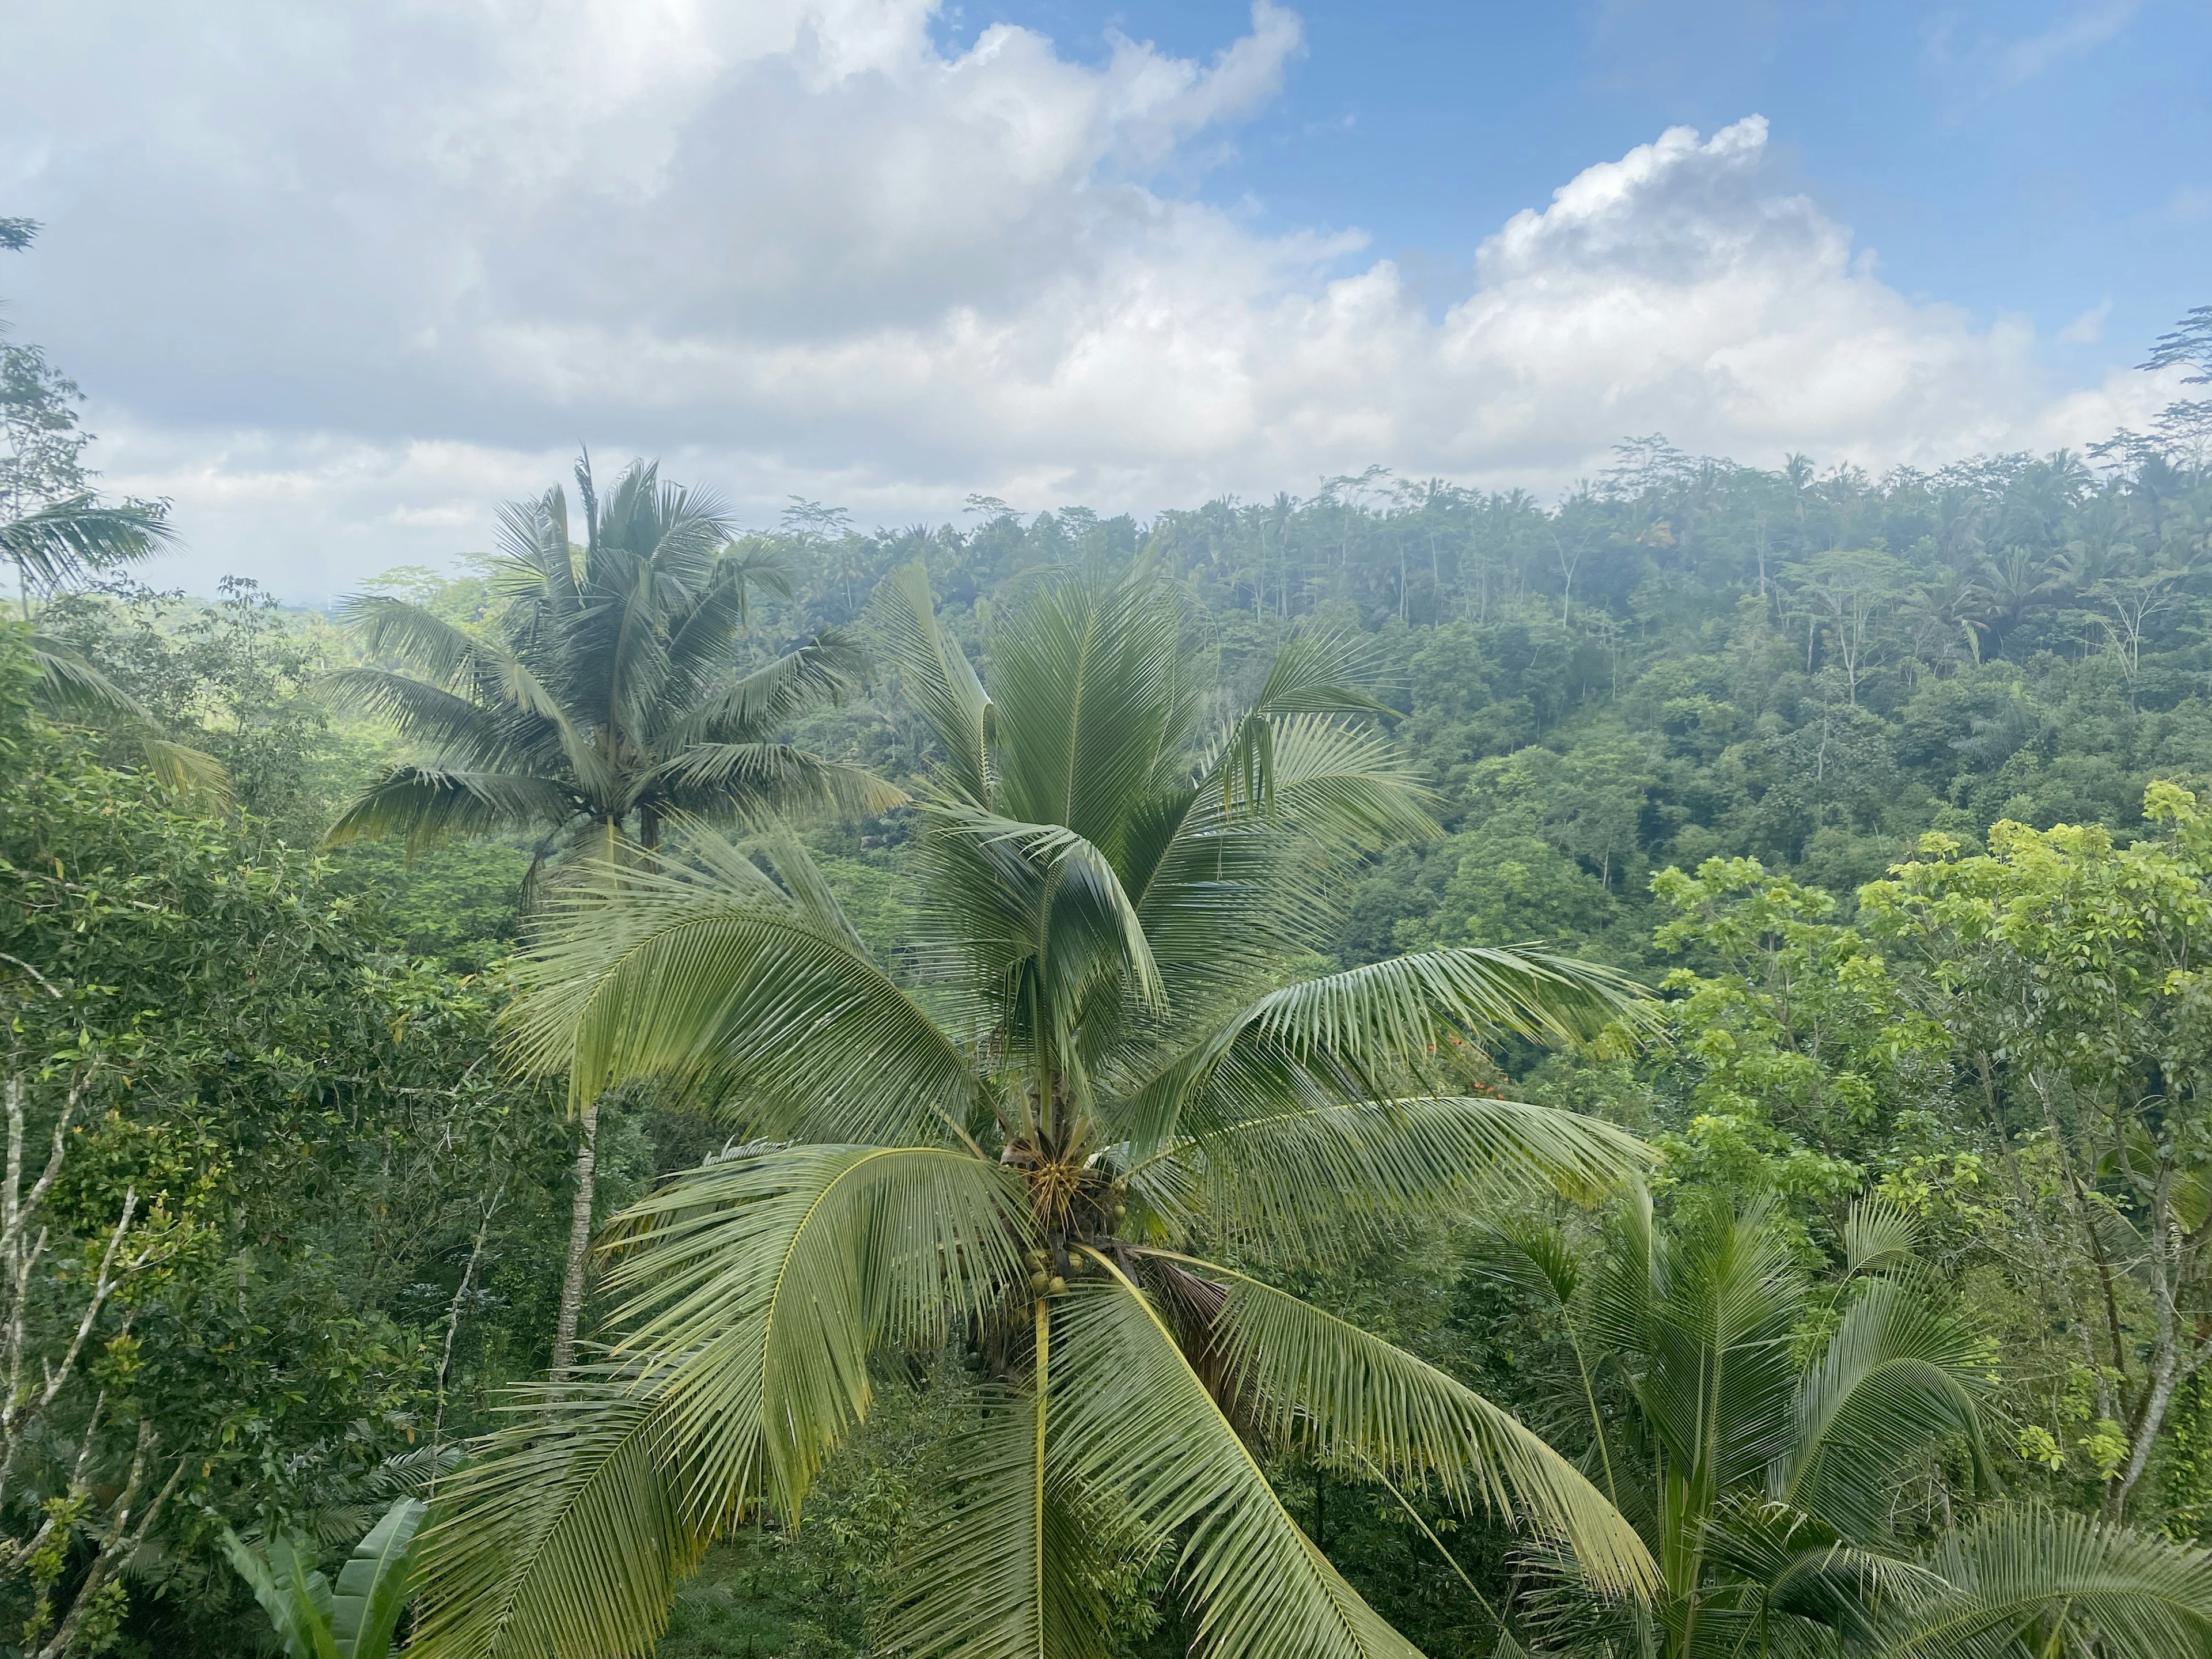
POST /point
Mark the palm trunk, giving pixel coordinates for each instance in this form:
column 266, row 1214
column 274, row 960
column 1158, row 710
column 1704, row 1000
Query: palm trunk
column 580, row 1242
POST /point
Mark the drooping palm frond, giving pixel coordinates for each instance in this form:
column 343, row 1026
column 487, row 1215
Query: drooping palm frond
column 1139, row 1422
column 190, row 771
column 2037, row 1580
column 707, row 971
column 1045, row 896
column 65, row 541
column 827, row 669
column 385, row 626
column 427, row 804
column 1315, row 1181
column 69, row 685
column 569, row 1532
column 67, row 681
column 750, row 1293
column 459, row 729
column 750, row 779
column 775, row 1275
column 1356, row 1033
column 1006, row 1566
column 1364, row 1404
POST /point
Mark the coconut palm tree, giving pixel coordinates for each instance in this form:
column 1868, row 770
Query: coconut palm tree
column 608, row 694
column 1765, row 1467
column 1106, row 1052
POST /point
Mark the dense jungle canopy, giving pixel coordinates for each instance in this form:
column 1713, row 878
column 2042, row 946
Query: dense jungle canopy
column 1895, row 791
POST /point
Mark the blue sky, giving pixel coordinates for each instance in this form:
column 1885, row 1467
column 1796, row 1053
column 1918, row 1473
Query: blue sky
column 2032, row 157
column 341, row 279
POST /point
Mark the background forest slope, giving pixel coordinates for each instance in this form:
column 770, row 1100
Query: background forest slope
column 1675, row 722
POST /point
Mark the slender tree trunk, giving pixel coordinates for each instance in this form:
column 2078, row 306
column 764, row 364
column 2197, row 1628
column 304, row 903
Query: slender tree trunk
column 580, row 1243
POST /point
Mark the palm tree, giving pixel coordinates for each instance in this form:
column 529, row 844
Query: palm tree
column 1764, row 1467
column 607, row 696
column 1106, row 1053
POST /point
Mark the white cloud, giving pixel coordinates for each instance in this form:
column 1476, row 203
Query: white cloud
column 2088, row 328
column 345, row 279
column 2083, row 29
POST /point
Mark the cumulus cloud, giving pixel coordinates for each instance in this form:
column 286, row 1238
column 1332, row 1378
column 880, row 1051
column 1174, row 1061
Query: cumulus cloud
column 345, row 277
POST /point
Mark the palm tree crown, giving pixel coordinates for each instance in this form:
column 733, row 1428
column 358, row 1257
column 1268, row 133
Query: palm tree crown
column 1101, row 1058
column 1772, row 1431
column 607, row 694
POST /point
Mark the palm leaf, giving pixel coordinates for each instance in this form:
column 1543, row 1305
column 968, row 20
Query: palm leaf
column 1364, row 1403
column 763, row 777
column 1317, row 1180
column 67, row 681
column 458, row 728
column 1006, row 1566
column 62, row 542
column 749, row 1294
column 427, row 804
column 1138, row 1422
column 827, row 669
column 937, row 679
column 567, row 1535
column 190, row 771
column 2055, row 1581
column 705, row 971
column 1898, row 1376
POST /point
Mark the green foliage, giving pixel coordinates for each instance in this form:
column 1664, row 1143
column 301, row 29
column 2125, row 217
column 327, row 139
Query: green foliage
column 357, row 1618
column 1110, row 1046
column 606, row 692
column 315, row 1140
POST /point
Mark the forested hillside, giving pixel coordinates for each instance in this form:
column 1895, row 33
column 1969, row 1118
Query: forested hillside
column 1896, row 790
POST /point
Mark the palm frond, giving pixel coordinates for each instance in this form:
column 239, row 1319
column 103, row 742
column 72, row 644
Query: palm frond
column 1361, row 1402
column 705, row 971
column 749, row 1294
column 459, row 729
column 1879, row 1233
column 1318, row 1180
column 2048, row 1581
column 1353, row 1033
column 1091, row 695
column 829, row 668
column 65, row 541
column 1006, row 1566
column 1702, row 1320
column 427, row 804
column 1138, row 1422
column 772, row 1276
column 937, row 679
column 1897, row 1375
column 384, row 626
column 190, row 771
column 67, row 681
column 755, row 778
column 1074, row 895
column 568, row 1534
